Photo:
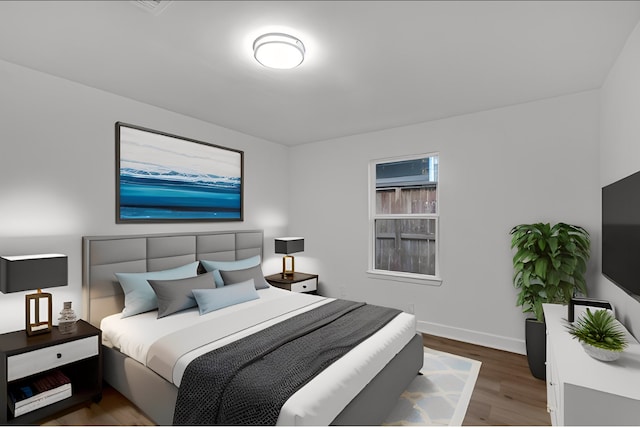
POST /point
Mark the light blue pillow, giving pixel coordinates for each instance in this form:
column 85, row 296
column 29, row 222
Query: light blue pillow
column 215, row 266
column 139, row 297
column 217, row 298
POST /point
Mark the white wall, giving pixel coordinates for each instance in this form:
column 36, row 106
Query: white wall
column 531, row 162
column 57, row 174
column 620, row 152
column 521, row 164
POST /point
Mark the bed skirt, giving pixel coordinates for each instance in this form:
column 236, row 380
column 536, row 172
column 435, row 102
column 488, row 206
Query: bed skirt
column 370, row 407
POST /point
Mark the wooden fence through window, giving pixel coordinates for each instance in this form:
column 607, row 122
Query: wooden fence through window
column 406, row 245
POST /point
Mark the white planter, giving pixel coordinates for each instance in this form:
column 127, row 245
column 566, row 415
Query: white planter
column 600, row 354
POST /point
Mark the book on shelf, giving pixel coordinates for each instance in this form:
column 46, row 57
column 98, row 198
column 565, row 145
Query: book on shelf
column 49, row 388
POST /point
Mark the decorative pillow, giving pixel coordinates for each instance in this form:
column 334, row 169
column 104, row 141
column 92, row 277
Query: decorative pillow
column 217, row 298
column 235, row 276
column 215, row 266
column 176, row 295
column 138, row 294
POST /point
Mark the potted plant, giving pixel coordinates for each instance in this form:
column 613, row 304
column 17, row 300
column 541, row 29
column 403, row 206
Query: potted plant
column 600, row 335
column 548, row 267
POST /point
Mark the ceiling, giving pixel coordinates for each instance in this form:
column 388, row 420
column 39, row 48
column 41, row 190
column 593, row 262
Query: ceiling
column 370, row 65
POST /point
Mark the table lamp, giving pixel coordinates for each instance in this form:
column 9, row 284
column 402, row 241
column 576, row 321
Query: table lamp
column 29, row 272
column 287, row 246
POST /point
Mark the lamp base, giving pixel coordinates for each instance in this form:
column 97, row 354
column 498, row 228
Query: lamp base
column 34, row 325
column 288, row 264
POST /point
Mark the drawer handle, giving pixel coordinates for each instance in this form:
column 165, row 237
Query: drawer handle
column 59, row 355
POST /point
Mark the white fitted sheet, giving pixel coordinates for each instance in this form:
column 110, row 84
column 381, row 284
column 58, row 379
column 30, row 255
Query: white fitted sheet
column 320, row 400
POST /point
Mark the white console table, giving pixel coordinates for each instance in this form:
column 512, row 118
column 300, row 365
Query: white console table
column 582, row 390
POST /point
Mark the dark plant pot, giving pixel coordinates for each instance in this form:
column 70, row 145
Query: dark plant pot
column 536, row 341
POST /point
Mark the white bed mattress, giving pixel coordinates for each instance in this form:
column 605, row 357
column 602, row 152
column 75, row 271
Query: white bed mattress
column 319, row 401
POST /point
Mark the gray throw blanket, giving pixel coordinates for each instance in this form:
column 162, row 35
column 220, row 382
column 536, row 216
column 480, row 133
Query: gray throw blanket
column 248, row 381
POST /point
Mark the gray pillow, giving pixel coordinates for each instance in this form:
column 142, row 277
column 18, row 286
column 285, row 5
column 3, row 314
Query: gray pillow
column 216, row 266
column 241, row 275
column 176, row 295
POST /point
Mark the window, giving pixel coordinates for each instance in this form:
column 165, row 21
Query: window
column 404, row 217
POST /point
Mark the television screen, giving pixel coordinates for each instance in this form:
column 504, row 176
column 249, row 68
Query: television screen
column 621, row 233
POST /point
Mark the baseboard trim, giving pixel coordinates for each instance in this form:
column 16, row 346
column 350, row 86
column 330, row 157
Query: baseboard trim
column 477, row 338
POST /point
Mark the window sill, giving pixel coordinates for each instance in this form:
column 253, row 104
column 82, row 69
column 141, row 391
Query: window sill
column 405, row 277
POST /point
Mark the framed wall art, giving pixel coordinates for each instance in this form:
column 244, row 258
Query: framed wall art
column 166, row 178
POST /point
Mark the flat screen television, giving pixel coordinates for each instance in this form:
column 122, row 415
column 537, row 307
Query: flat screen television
column 621, row 233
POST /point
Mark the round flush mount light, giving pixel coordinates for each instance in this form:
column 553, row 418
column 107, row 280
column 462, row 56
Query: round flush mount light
column 278, row 50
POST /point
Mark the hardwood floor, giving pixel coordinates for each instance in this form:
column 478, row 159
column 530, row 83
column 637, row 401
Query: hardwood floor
column 505, row 393
column 113, row 410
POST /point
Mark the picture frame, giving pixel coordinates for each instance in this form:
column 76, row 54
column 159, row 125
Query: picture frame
column 161, row 177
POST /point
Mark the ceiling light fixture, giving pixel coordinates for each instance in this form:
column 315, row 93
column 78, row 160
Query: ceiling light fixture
column 278, row 50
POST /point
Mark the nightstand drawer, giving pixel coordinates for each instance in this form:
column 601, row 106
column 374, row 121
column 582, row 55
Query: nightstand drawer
column 28, row 363
column 305, row 286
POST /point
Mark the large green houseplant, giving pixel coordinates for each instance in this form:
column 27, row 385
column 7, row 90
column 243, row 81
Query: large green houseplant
column 548, row 267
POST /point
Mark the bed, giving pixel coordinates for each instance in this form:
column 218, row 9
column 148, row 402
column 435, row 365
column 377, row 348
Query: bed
column 343, row 394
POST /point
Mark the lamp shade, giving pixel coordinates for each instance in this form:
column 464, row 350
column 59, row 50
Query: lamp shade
column 289, row 245
column 22, row 273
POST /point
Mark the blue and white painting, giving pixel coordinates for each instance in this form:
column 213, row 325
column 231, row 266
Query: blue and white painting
column 167, row 178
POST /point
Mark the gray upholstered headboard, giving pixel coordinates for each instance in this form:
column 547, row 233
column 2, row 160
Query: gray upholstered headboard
column 103, row 256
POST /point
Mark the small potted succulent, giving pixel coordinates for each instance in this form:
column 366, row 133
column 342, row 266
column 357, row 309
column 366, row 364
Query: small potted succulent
column 600, row 334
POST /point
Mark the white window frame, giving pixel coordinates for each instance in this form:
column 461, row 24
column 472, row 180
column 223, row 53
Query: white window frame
column 374, row 273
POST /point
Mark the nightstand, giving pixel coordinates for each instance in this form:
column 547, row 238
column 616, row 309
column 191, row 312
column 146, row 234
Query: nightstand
column 298, row 282
column 24, row 359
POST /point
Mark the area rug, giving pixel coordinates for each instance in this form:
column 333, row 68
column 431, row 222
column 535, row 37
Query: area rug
column 441, row 395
